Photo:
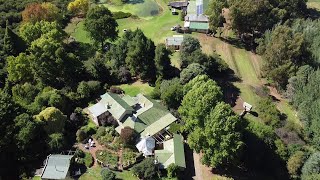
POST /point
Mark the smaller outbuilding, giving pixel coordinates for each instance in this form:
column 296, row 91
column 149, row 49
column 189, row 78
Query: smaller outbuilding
column 181, row 5
column 172, row 152
column 174, row 42
column 57, row 166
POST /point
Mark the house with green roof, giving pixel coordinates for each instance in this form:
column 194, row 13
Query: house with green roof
column 172, row 152
column 57, row 166
column 143, row 114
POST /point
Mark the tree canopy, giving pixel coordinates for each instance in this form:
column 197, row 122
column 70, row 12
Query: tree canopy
column 101, row 25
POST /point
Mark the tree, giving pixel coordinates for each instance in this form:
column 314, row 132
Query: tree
column 97, row 69
column 87, row 89
column 19, row 68
column 32, row 31
column 124, row 75
column 172, row 170
column 36, row 12
column 312, row 166
column 215, row 13
column 171, row 93
column 145, row 170
column 101, row 25
column 53, row 120
column 140, row 56
column 79, row 7
column 295, row 163
column 197, row 81
column 250, row 16
column 127, row 135
column 224, row 148
column 162, row 60
column 198, row 102
column 108, row 174
column 24, row 94
column 284, row 52
column 81, row 135
column 190, row 72
column 56, row 142
column 188, row 46
column 268, row 112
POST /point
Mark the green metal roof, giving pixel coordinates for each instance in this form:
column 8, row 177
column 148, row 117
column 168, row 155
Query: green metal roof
column 57, row 167
column 158, row 125
column 173, row 152
column 129, row 100
column 200, row 26
column 119, row 100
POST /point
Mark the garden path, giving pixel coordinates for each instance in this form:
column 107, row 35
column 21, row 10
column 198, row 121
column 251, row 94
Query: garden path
column 91, row 150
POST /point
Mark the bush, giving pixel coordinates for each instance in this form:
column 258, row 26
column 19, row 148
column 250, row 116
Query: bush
column 88, row 160
column 121, row 15
column 107, row 174
column 268, row 112
column 106, row 140
column 281, row 149
column 145, row 170
column 295, row 163
column 116, row 90
column 175, row 128
column 89, row 130
column 128, row 157
column 81, row 135
column 127, row 135
column 172, row 170
column 312, row 166
column 107, row 158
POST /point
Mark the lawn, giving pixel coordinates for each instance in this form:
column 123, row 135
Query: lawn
column 136, row 88
column 246, row 66
column 314, row 4
column 94, row 173
column 155, row 26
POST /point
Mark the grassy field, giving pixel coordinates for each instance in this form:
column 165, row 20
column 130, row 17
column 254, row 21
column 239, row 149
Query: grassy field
column 155, row 26
column 136, row 88
column 314, row 4
column 94, row 173
column 246, row 66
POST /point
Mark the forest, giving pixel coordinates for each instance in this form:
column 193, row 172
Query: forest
column 47, row 78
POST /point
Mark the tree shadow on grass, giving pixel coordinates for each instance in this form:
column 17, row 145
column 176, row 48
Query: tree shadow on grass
column 135, row 2
column 225, row 81
column 259, row 161
column 189, row 172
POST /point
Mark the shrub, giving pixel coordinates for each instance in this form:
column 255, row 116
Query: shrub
column 100, row 132
column 121, row 15
column 107, row 139
column 295, row 163
column 127, row 135
column 116, row 90
column 124, row 75
column 88, row 160
column 81, row 135
column 107, row 158
column 128, row 157
column 312, row 166
column 172, row 170
column 268, row 112
column 145, row 170
column 89, row 130
column 281, row 149
column 107, row 174
column 175, row 128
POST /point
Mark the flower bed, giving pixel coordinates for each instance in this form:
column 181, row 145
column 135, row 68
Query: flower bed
column 108, row 159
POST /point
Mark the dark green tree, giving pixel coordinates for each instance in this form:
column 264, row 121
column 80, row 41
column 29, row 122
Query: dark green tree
column 171, row 93
column 198, row 103
column 101, row 25
column 221, row 149
column 191, row 72
column 188, row 46
column 311, row 168
column 145, row 170
column 140, row 56
column 162, row 60
column 108, row 174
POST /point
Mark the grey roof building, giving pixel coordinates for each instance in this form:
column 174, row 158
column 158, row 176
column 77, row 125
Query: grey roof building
column 56, row 167
column 175, row 41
